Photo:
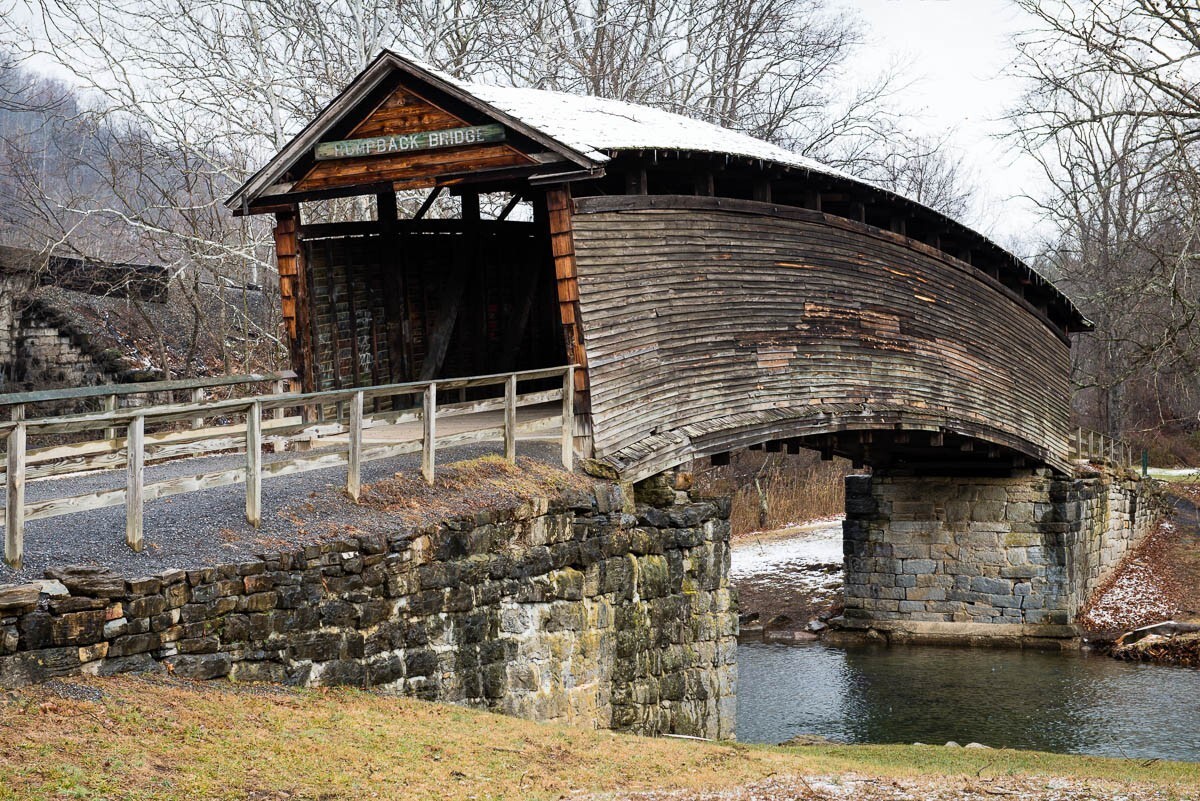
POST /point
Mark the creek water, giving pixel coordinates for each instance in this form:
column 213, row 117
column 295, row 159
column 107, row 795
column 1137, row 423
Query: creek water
column 1064, row 702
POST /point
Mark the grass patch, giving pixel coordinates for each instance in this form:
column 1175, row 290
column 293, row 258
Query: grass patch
column 156, row 738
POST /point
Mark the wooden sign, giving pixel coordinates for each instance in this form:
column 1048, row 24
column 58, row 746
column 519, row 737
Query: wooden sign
column 407, row 142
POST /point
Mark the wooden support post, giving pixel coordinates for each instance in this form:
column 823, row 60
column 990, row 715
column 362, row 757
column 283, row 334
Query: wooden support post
column 429, row 433
column 14, row 517
column 510, row 419
column 568, row 420
column 254, row 464
column 110, row 405
column 354, row 460
column 279, row 388
column 18, row 412
column 198, row 397
column 135, row 446
column 635, row 181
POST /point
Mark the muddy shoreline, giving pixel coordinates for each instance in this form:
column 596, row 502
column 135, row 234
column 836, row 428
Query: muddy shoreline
column 789, row 581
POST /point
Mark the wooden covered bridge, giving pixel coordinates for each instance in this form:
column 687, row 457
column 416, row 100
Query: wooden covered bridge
column 715, row 291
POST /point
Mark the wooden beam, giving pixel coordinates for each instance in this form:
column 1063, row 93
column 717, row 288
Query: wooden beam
column 14, row 510
column 568, row 420
column 635, row 180
column 427, row 204
column 254, row 465
column 762, row 189
column 135, row 475
column 354, row 458
column 510, row 419
column 429, row 433
column 293, row 291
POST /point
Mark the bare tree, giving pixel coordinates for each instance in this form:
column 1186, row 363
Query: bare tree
column 1111, row 117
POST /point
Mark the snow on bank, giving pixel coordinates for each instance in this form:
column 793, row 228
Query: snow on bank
column 807, row 547
column 1142, row 591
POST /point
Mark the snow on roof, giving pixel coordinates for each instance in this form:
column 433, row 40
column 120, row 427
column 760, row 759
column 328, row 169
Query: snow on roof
column 595, row 126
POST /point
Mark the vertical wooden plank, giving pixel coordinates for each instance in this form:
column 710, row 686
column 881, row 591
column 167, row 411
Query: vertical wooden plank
column 135, row 444
column 510, row 419
column 18, row 412
column 294, row 292
column 14, row 518
column 254, row 464
column 279, row 388
column 110, row 405
column 429, row 433
column 198, row 397
column 354, row 462
column 568, row 420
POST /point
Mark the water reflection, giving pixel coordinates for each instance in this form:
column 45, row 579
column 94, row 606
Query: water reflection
column 1061, row 702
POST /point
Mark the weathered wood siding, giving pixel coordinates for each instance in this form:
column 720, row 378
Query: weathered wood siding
column 713, row 327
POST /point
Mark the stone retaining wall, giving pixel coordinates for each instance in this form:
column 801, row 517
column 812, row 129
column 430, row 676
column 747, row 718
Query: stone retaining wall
column 569, row 610
column 1027, row 550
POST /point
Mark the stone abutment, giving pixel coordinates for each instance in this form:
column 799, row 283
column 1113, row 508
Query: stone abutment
column 585, row 609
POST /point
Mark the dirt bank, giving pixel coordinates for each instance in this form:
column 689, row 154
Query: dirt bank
column 788, row 578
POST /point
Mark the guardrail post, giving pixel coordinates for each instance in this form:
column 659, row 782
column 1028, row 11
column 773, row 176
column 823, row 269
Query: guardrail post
column 14, row 517
column 198, row 397
column 254, row 464
column 510, row 418
column 135, row 441
column 429, row 433
column 279, row 388
column 18, row 412
column 568, row 420
column 110, row 405
column 354, row 458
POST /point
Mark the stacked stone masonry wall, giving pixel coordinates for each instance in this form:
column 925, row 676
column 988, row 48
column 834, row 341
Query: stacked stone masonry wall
column 569, row 610
column 1025, row 550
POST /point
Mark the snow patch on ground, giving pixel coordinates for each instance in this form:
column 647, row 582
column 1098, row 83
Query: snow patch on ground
column 1142, row 591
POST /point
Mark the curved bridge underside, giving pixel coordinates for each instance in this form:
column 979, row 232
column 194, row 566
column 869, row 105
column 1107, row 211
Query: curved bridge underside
column 712, row 325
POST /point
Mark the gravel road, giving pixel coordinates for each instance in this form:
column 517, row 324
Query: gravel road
column 209, row 527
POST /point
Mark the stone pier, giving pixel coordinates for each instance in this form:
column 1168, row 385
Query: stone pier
column 942, row 557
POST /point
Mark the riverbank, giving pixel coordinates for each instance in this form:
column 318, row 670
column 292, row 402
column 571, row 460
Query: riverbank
column 789, row 580
column 159, row 738
column 1160, row 581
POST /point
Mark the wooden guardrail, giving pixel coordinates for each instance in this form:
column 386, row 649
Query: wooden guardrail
column 17, row 404
column 1089, row 445
column 134, row 449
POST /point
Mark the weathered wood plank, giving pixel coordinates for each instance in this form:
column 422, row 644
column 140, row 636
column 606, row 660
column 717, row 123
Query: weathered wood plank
column 429, row 433
column 254, row 465
column 354, row 468
column 134, row 504
column 510, row 419
column 14, row 511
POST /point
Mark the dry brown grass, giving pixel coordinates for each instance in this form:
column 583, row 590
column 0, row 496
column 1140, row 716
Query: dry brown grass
column 463, row 488
column 797, row 487
column 143, row 738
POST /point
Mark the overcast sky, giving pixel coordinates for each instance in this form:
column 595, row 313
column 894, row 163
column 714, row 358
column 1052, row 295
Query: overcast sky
column 958, row 52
